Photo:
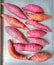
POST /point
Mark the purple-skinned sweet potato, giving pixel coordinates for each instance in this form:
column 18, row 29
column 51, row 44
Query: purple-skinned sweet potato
column 33, row 47
column 40, row 41
column 14, row 22
column 34, row 8
column 14, row 9
column 38, row 25
column 36, row 33
column 16, row 34
column 13, row 52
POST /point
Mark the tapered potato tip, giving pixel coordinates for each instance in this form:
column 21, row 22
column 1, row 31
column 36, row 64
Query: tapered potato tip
column 5, row 16
column 2, row 15
column 9, row 42
column 47, row 16
column 26, row 28
column 3, row 4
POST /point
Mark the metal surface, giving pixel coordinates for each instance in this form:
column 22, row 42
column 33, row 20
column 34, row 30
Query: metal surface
column 48, row 8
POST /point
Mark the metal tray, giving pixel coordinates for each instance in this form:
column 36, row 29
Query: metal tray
column 48, row 8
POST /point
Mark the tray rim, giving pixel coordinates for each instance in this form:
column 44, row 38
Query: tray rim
column 1, row 28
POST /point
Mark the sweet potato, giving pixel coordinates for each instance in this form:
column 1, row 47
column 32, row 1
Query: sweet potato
column 16, row 34
column 36, row 33
column 39, row 16
column 14, row 9
column 40, row 41
column 41, row 57
column 38, row 25
column 13, row 52
column 33, row 47
column 34, row 8
column 14, row 22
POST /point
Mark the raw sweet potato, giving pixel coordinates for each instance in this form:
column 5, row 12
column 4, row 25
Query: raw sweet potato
column 14, row 22
column 41, row 57
column 33, row 47
column 34, row 8
column 38, row 25
column 13, row 52
column 36, row 33
column 40, row 41
column 39, row 17
column 15, row 10
column 16, row 34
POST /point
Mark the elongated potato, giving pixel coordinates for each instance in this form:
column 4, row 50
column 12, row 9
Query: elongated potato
column 38, row 25
column 40, row 41
column 41, row 57
column 33, row 47
column 39, row 16
column 14, row 9
column 36, row 33
column 34, row 8
column 14, row 22
column 16, row 34
column 13, row 52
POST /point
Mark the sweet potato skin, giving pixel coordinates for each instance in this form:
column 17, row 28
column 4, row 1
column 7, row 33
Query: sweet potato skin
column 39, row 16
column 41, row 57
column 36, row 33
column 14, row 9
column 34, row 8
column 38, row 25
column 16, row 34
column 14, row 22
column 40, row 41
column 13, row 53
column 28, row 47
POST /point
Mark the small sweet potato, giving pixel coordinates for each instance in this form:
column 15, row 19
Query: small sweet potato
column 14, row 9
column 33, row 47
column 13, row 52
column 38, row 25
column 36, row 40
column 34, row 8
column 39, row 16
column 36, row 33
column 14, row 22
column 16, row 34
column 41, row 57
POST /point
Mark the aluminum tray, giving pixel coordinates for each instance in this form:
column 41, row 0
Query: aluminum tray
column 48, row 8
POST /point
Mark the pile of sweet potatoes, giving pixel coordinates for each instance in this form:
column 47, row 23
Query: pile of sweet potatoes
column 34, row 14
